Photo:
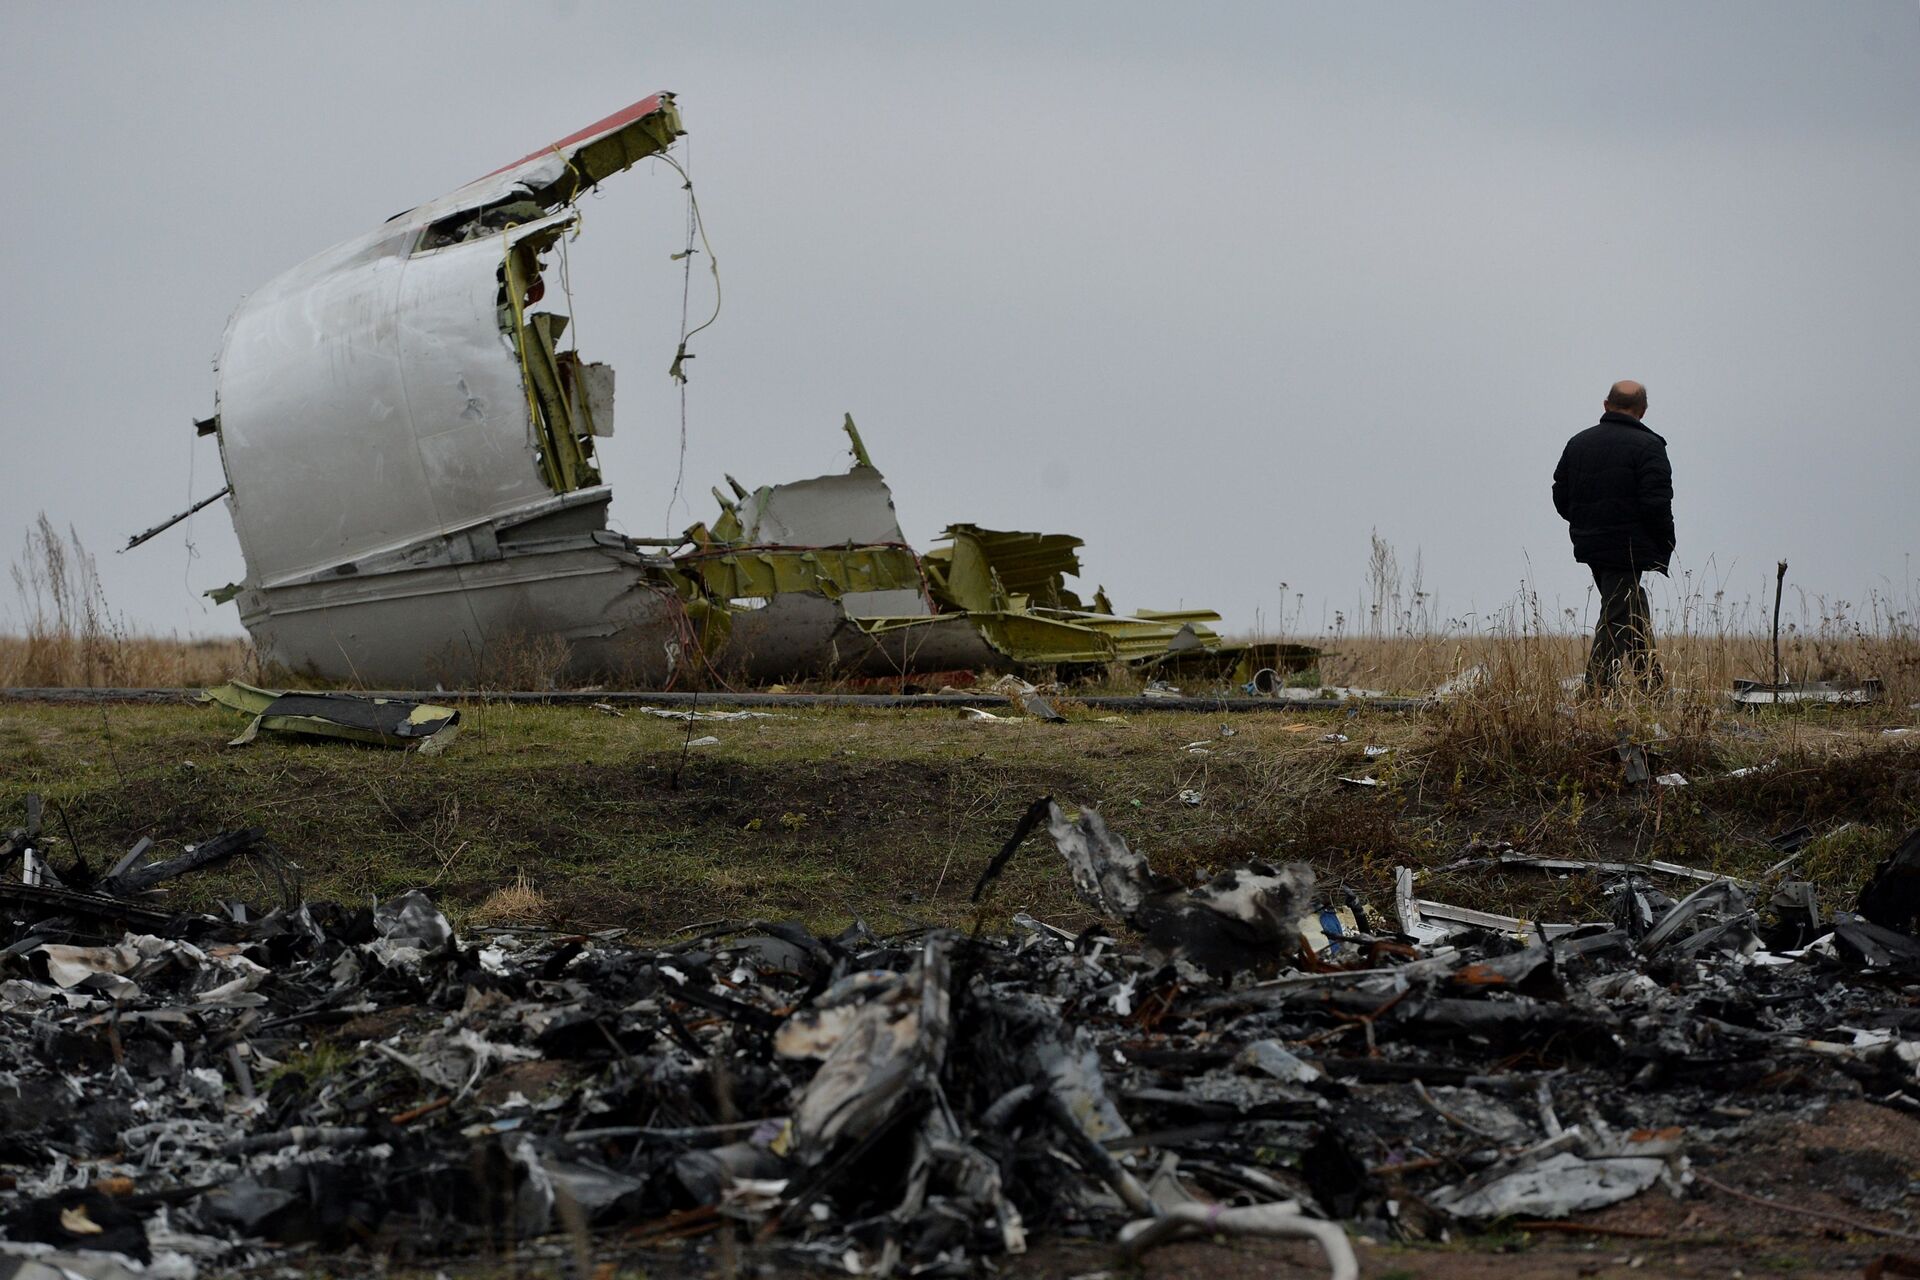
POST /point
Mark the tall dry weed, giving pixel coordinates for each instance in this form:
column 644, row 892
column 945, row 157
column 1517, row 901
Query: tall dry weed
column 70, row 636
column 1520, row 711
column 1705, row 640
column 1400, row 642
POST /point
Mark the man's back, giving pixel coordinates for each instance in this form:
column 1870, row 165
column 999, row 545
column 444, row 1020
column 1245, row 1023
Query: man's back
column 1614, row 487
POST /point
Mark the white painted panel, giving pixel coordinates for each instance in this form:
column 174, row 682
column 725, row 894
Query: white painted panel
column 465, row 393
column 827, row 511
column 372, row 405
column 313, row 421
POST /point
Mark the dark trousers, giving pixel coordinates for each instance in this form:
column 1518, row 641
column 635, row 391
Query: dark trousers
column 1623, row 637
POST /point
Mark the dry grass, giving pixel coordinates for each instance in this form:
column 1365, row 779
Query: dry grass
column 518, row 903
column 545, row 815
column 1400, row 642
column 71, row 638
column 1694, row 661
column 1519, row 717
column 137, row 662
column 828, row 814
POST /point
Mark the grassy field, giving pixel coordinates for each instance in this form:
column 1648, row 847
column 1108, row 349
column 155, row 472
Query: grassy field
column 66, row 633
column 569, row 816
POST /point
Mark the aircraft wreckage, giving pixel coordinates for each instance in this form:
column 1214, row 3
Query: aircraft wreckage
column 410, row 453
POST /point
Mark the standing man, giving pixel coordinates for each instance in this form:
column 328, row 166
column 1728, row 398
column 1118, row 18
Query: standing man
column 1614, row 488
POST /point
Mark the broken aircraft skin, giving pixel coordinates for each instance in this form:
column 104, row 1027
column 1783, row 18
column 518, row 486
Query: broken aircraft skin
column 816, row 576
column 411, row 459
column 410, row 455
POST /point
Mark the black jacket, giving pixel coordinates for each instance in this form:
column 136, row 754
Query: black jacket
column 1614, row 488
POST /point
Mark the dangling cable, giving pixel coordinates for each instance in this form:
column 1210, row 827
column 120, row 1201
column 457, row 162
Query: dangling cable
column 193, row 549
column 696, row 226
column 695, row 223
column 677, row 372
column 566, row 276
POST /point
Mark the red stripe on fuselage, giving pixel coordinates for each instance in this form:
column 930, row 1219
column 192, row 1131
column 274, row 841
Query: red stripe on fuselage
column 625, row 116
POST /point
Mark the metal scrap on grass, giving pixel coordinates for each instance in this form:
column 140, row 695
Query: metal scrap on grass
column 372, row 1082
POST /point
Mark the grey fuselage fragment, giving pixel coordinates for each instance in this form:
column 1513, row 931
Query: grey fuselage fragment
column 411, row 465
column 411, row 473
column 402, row 520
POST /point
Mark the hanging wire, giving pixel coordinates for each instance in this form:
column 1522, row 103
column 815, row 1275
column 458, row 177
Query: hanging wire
column 696, row 227
column 566, row 274
column 699, row 224
column 193, row 548
column 678, row 371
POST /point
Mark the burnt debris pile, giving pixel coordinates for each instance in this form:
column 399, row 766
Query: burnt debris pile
column 185, row 1093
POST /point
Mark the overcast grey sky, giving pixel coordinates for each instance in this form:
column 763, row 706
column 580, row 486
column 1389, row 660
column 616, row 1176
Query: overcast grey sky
column 1219, row 287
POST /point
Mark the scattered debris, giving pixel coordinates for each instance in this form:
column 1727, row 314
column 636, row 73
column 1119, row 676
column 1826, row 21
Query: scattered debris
column 1465, row 682
column 1028, row 698
column 1431, row 922
column 385, row 722
column 665, row 714
column 1758, row 693
column 1338, row 693
column 1793, row 839
column 1635, row 766
column 1561, row 1184
column 370, row 1082
column 1583, row 865
column 1283, row 1219
column 1040, row 709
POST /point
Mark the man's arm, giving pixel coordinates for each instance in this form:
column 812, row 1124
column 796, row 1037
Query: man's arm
column 1560, row 486
column 1656, row 497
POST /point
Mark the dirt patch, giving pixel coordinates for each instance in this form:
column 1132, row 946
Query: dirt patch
column 377, row 1025
column 1855, row 1159
column 531, row 1080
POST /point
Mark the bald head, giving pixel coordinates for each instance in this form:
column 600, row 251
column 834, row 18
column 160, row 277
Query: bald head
column 1628, row 397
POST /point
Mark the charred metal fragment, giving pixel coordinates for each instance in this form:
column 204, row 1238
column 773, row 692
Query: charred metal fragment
column 916, row 1104
column 132, row 877
column 1892, row 897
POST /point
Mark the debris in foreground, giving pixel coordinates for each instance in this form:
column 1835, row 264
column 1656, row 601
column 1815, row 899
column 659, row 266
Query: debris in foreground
column 383, row 722
column 211, row 1092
